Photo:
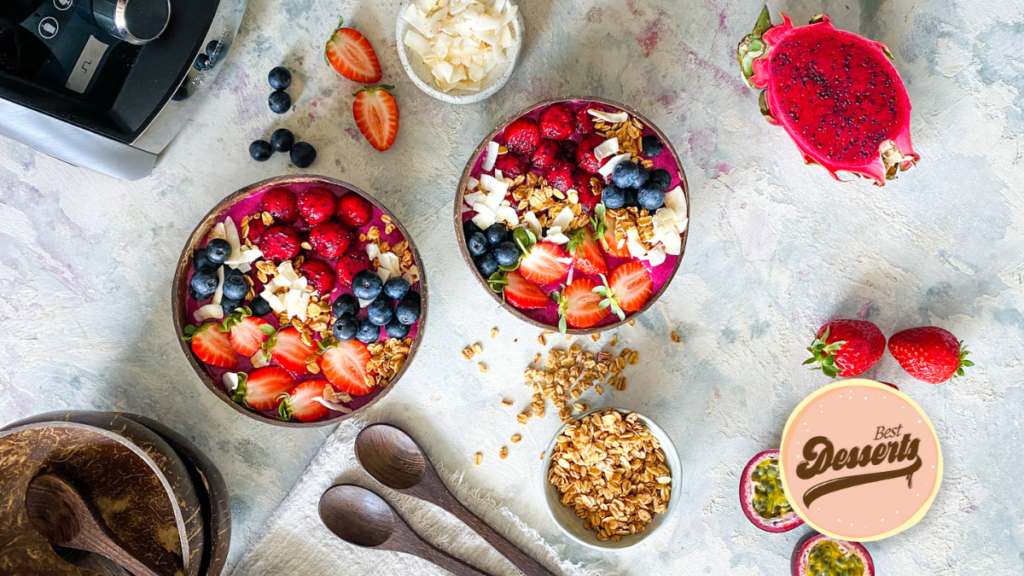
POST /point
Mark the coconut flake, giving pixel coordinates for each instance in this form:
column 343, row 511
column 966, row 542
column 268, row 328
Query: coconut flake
column 656, row 257
column 384, row 274
column 563, row 219
column 610, row 165
column 231, row 235
column 332, row 405
column 259, row 360
column 230, row 380
column 219, row 293
column 491, row 157
column 506, row 214
column 616, row 118
column 217, row 232
column 558, row 239
column 472, row 183
column 275, row 302
column 534, row 223
column 609, row 147
column 207, row 312
column 676, row 200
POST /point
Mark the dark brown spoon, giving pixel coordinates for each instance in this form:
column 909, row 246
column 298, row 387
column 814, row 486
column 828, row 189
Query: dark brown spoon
column 395, row 460
column 361, row 517
column 64, row 518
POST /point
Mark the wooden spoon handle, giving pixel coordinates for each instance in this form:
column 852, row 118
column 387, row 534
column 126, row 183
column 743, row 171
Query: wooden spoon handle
column 517, row 557
column 449, row 563
column 121, row 556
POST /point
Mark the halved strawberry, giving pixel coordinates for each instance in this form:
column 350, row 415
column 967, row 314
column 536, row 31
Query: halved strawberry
column 344, row 365
column 627, row 290
column 263, row 388
column 605, row 230
column 246, row 333
column 580, row 306
column 376, row 114
column 301, row 402
column 586, row 254
column 211, row 345
column 524, row 294
column 351, row 54
column 545, row 263
column 289, row 351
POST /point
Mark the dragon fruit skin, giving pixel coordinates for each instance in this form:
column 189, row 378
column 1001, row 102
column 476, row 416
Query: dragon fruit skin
column 836, row 94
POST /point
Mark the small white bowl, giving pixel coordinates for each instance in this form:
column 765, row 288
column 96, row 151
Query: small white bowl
column 572, row 525
column 420, row 74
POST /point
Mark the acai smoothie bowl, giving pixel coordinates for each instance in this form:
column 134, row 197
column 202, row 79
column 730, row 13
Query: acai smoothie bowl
column 574, row 214
column 299, row 300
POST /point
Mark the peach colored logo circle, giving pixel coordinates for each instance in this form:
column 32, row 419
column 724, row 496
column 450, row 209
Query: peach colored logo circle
column 860, row 461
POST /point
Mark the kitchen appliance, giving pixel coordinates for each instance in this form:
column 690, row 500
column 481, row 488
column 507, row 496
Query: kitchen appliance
column 106, row 84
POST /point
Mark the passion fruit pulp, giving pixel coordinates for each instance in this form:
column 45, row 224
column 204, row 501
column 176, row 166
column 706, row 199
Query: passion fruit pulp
column 761, row 495
column 819, row 555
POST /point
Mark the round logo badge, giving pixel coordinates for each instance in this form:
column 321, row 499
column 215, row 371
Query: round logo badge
column 860, row 461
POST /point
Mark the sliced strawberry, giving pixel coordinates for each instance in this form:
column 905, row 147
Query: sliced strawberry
column 212, row 346
column 344, row 366
column 580, row 306
column 301, row 402
column 546, row 263
column 264, row 387
column 247, row 333
column 289, row 351
column 610, row 243
column 627, row 289
column 376, row 114
column 586, row 254
column 524, row 294
column 351, row 54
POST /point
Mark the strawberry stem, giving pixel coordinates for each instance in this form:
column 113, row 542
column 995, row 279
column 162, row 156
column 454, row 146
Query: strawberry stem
column 964, row 362
column 823, row 354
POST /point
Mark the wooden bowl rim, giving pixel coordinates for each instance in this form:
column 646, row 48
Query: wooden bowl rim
column 179, row 292
column 461, row 237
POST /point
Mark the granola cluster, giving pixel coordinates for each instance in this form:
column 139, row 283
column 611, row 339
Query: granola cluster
column 630, row 134
column 532, row 193
column 386, row 360
column 633, row 218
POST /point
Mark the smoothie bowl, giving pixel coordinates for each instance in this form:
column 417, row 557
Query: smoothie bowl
column 299, row 300
column 574, row 214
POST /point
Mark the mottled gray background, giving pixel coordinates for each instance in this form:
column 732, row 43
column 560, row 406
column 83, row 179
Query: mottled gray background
column 776, row 248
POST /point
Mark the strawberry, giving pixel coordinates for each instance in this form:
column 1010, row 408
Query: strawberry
column 524, row 294
column 212, row 346
column 584, row 121
column 522, row 136
column 604, row 227
column 584, row 189
column 246, row 333
column 557, row 122
column 345, row 366
column 354, row 211
column 288, row 351
column 351, row 54
column 255, row 230
column 585, row 154
column 560, row 176
column 350, row 264
column 319, row 274
column 264, row 388
column 281, row 204
column 586, row 254
column 580, row 306
column 627, row 289
column 929, row 353
column 301, row 402
column 317, row 205
column 846, row 348
column 546, row 155
column 568, row 148
column 280, row 243
column 376, row 113
column 510, row 165
column 544, row 263
column 330, row 239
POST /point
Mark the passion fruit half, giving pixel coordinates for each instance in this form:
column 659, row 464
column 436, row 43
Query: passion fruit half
column 819, row 555
column 761, row 495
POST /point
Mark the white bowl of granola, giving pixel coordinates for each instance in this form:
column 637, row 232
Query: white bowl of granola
column 574, row 450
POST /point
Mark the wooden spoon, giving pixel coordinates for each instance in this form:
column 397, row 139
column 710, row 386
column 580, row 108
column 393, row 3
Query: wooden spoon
column 363, row 518
column 395, row 460
column 64, row 518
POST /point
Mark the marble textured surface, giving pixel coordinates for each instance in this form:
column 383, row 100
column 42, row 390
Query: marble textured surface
column 775, row 249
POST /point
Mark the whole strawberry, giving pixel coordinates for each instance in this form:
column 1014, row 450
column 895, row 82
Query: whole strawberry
column 354, row 211
column 561, row 176
column 546, row 155
column 350, row 264
column 319, row 274
column 522, row 136
column 280, row 243
column 846, row 348
column 330, row 239
column 929, row 353
column 317, row 205
column 557, row 122
column 584, row 121
column 585, row 154
column 510, row 165
column 281, row 203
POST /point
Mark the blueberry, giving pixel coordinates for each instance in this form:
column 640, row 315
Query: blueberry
column 651, row 198
column 260, row 307
column 303, row 155
column 660, row 179
column 469, row 228
column 379, row 312
column 496, row 234
column 280, row 102
column 613, row 197
column 624, row 174
column 260, row 150
column 235, row 286
column 396, row 329
column 345, row 305
column 652, row 146
column 366, row 285
column 218, row 250
column 205, row 282
column 199, row 259
column 229, row 306
column 477, row 244
column 506, row 253
column 280, row 78
column 486, row 264
column 408, row 310
column 368, row 333
column 345, row 328
column 413, row 295
column 282, row 140
column 631, row 199
column 396, row 288
column 213, row 49
column 195, row 296
column 202, row 62
column 642, row 176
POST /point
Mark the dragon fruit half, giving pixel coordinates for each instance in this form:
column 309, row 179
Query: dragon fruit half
column 837, row 94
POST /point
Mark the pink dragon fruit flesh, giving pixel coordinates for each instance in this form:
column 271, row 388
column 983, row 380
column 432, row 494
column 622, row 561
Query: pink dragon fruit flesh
column 837, row 95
